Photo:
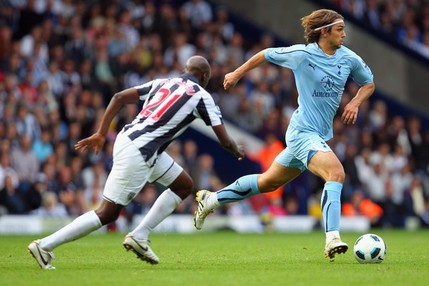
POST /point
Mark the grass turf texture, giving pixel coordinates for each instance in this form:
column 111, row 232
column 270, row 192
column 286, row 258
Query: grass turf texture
column 221, row 258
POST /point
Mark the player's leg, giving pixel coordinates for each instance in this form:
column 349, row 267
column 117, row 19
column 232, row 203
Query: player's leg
column 327, row 166
column 81, row 226
column 276, row 176
column 168, row 173
column 106, row 213
column 120, row 188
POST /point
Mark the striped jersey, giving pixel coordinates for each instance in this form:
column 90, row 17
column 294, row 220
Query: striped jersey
column 169, row 107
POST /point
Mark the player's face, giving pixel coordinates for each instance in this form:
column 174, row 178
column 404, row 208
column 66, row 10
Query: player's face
column 337, row 35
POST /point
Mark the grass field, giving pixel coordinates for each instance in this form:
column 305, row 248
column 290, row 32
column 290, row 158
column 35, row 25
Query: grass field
column 221, row 258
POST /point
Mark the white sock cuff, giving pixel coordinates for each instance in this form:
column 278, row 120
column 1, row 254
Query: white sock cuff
column 176, row 198
column 93, row 216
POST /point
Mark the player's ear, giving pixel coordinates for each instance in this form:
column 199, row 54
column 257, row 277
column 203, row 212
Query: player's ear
column 206, row 78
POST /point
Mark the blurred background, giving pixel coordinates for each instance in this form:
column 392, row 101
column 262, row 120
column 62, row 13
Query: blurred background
column 61, row 61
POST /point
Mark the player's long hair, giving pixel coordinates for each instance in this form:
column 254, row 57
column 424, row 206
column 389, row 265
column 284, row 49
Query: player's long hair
column 317, row 19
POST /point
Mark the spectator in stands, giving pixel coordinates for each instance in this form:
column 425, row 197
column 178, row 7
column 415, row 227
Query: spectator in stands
column 170, row 105
column 199, row 12
column 351, row 169
column 361, row 205
column 179, row 51
column 376, row 181
column 69, row 193
column 425, row 215
column 147, row 20
column 394, row 211
column 11, row 198
column 222, row 24
column 414, row 197
column 311, row 123
column 42, row 147
column 190, row 157
column 26, row 122
column 206, row 172
column 50, row 208
column 423, row 157
column 94, row 178
column 246, row 115
column 415, row 138
column 7, row 169
column 26, row 164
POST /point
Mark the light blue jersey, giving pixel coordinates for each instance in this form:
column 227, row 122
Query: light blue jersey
column 320, row 80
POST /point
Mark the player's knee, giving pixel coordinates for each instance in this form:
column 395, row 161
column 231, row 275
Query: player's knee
column 337, row 175
column 107, row 216
column 185, row 190
column 183, row 186
column 188, row 186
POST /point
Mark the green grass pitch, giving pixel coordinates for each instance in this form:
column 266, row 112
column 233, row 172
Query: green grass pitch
column 219, row 258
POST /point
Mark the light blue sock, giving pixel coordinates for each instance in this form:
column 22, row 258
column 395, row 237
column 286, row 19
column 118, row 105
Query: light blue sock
column 331, row 206
column 241, row 189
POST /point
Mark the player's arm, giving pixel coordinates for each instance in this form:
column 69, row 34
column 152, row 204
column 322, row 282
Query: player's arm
column 350, row 113
column 227, row 143
column 232, row 78
column 96, row 141
column 118, row 100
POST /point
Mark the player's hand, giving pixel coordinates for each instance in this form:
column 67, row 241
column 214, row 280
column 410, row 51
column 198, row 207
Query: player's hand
column 240, row 154
column 230, row 80
column 95, row 142
column 350, row 114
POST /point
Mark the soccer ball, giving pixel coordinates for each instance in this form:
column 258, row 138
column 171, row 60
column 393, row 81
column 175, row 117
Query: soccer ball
column 369, row 248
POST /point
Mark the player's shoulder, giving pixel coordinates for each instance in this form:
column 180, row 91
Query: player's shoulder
column 347, row 52
column 288, row 49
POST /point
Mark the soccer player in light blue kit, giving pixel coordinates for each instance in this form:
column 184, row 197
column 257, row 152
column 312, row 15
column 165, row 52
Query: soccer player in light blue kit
column 321, row 68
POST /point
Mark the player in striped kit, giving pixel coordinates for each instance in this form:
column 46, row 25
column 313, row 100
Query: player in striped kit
column 169, row 106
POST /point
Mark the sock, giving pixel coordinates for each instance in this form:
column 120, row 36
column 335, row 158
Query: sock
column 241, row 189
column 331, row 206
column 79, row 227
column 164, row 205
column 331, row 235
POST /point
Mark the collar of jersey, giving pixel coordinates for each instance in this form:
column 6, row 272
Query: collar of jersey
column 188, row 76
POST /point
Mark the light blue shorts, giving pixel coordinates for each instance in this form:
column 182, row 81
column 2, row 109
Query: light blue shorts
column 301, row 146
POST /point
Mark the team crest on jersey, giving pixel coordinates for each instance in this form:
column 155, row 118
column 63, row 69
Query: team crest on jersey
column 327, row 82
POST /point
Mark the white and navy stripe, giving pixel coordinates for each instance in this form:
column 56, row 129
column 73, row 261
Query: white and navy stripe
column 170, row 105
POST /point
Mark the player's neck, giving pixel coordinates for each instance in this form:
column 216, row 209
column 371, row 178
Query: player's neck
column 326, row 48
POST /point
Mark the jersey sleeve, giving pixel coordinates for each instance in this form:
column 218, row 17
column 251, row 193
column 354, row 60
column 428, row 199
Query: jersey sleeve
column 144, row 89
column 208, row 111
column 361, row 73
column 288, row 57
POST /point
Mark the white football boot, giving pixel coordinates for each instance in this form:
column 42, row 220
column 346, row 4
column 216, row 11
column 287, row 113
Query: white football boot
column 335, row 246
column 42, row 257
column 141, row 247
column 202, row 211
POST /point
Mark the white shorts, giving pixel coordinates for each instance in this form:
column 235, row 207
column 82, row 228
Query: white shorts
column 130, row 172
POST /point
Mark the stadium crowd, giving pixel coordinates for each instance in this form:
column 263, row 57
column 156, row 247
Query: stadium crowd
column 62, row 60
column 404, row 21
